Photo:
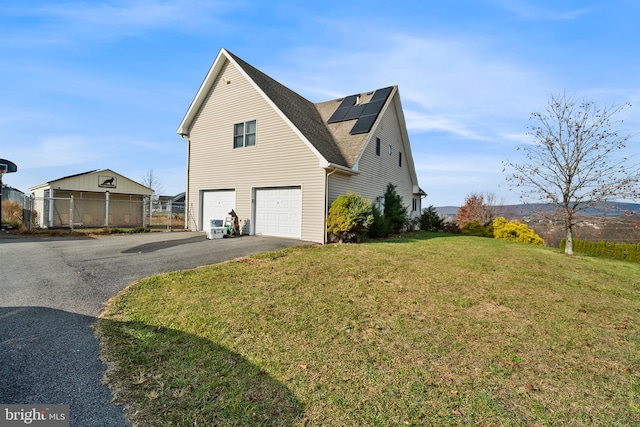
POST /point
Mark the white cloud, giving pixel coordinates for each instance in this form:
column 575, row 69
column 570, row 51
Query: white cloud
column 458, row 85
column 422, row 122
column 76, row 22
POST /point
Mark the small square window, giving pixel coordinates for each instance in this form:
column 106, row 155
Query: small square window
column 244, row 134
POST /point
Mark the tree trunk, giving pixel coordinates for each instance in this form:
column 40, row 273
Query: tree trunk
column 568, row 249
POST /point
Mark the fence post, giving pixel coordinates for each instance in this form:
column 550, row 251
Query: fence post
column 26, row 212
column 106, row 209
column 71, row 213
column 144, row 214
column 170, row 214
column 31, row 205
column 51, row 209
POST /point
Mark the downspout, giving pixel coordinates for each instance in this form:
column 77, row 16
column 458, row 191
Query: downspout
column 186, row 194
column 326, row 204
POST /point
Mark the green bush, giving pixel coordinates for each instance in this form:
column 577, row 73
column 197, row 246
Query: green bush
column 395, row 212
column 619, row 251
column 350, row 216
column 515, row 231
column 474, row 228
column 451, row 227
column 135, row 230
column 430, row 220
column 379, row 227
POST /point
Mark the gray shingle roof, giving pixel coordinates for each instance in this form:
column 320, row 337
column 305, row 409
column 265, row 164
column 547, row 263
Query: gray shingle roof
column 333, row 141
column 302, row 112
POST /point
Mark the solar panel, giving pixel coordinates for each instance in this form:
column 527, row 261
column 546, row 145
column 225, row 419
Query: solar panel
column 373, row 107
column 365, row 113
column 382, row 94
column 363, row 125
column 339, row 114
column 355, row 112
column 343, row 109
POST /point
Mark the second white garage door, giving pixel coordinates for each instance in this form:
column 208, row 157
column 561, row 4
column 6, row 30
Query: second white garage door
column 279, row 212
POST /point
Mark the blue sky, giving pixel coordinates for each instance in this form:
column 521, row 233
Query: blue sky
column 104, row 84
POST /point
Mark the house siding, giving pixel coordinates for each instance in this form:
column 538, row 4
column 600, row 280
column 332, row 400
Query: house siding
column 377, row 171
column 279, row 158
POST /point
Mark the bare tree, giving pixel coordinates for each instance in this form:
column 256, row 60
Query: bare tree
column 151, row 180
column 480, row 207
column 575, row 161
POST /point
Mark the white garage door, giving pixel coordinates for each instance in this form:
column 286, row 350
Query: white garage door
column 279, row 212
column 217, row 205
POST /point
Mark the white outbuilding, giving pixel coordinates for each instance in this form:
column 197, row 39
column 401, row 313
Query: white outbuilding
column 98, row 198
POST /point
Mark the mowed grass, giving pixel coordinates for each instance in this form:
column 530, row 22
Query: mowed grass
column 423, row 330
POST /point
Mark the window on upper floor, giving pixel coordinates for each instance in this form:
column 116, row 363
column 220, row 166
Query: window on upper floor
column 244, row 134
column 400, row 158
column 378, row 147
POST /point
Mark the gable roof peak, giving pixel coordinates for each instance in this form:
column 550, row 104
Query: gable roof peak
column 322, row 126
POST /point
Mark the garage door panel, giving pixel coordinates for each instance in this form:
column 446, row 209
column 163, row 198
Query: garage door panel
column 279, row 212
column 216, row 204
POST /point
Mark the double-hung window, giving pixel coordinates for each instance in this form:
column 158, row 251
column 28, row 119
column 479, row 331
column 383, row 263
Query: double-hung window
column 244, row 134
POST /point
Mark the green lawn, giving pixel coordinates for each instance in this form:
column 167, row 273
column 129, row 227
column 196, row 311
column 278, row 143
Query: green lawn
column 422, row 330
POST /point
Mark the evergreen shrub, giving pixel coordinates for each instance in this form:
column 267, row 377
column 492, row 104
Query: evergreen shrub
column 395, row 212
column 379, row 227
column 430, row 220
column 619, row 251
column 350, row 217
column 474, row 228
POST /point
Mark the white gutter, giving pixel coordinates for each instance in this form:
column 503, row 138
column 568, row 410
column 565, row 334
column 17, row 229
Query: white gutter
column 186, row 194
column 334, row 167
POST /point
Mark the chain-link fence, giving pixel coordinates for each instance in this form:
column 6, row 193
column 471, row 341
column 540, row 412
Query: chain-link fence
column 167, row 215
column 15, row 206
column 113, row 211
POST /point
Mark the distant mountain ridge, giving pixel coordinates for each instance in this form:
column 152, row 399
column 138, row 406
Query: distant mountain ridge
column 614, row 209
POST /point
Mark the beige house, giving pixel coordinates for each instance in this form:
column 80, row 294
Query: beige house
column 279, row 160
column 97, row 198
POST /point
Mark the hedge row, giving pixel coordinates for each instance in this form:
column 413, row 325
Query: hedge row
column 619, row 251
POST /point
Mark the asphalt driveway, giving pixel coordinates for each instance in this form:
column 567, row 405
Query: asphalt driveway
column 53, row 289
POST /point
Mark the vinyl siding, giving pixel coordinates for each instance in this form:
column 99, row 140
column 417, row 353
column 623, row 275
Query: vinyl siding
column 278, row 159
column 377, row 171
column 90, row 183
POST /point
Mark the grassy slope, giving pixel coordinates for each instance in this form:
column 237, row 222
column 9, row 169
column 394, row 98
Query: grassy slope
column 428, row 330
